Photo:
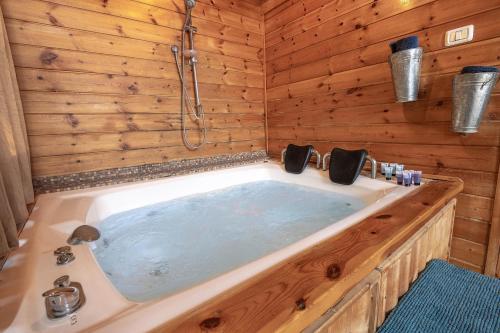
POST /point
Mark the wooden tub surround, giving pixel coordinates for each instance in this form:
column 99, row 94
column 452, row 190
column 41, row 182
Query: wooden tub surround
column 348, row 282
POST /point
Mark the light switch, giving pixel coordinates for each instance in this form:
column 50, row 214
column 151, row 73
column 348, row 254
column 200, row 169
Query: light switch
column 459, row 35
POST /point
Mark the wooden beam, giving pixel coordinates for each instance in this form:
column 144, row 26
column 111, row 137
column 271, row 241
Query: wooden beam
column 492, row 266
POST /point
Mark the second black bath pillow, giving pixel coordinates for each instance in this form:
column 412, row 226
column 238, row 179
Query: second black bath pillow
column 346, row 165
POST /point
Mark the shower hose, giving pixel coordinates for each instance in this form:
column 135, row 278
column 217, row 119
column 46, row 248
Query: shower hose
column 195, row 112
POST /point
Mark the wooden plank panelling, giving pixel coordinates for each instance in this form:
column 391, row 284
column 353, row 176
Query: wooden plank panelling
column 329, row 84
column 100, row 87
column 51, row 165
column 76, row 61
column 37, row 34
column 75, row 18
column 79, row 103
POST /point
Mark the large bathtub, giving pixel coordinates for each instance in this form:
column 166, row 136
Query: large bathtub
column 31, row 269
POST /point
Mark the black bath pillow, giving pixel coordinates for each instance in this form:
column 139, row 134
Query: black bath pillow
column 297, row 158
column 346, row 165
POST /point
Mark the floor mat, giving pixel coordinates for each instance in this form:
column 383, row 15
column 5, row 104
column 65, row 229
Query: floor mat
column 447, row 299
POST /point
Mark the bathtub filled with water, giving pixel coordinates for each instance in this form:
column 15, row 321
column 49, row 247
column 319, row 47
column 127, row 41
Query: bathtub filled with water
column 160, row 249
column 167, row 246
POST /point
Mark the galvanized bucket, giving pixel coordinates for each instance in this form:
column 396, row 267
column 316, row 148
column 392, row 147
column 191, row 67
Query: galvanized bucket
column 405, row 66
column 471, row 94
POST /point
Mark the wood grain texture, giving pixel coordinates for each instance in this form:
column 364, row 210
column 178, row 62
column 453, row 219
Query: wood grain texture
column 100, row 87
column 329, row 84
column 320, row 276
column 356, row 312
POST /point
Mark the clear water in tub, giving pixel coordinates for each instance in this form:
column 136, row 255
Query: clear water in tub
column 159, row 250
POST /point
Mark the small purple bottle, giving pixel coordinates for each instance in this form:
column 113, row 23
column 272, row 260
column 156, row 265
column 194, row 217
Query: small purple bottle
column 417, row 177
column 399, row 177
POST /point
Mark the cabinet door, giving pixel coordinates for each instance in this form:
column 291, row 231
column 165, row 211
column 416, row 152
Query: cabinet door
column 401, row 269
column 355, row 313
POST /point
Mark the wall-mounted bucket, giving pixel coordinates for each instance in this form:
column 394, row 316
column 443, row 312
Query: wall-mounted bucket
column 471, row 94
column 405, row 66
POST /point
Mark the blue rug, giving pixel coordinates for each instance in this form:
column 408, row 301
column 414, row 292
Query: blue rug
column 447, row 299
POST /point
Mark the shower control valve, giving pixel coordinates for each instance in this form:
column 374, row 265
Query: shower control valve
column 64, row 299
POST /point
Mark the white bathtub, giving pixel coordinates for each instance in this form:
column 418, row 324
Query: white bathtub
column 31, row 269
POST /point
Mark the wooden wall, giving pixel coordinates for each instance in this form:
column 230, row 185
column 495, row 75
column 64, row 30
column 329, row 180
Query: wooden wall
column 100, row 89
column 329, row 84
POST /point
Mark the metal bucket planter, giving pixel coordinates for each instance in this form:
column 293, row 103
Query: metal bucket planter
column 471, row 94
column 405, row 66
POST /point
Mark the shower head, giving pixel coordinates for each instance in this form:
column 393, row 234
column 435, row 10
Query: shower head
column 190, row 3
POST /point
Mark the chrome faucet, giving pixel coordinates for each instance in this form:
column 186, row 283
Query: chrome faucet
column 64, row 299
column 373, row 164
column 315, row 152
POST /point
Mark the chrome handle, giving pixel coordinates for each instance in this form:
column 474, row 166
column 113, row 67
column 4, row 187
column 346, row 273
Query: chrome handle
column 62, row 282
column 326, row 157
column 283, row 152
column 62, row 300
column 318, row 159
column 62, row 250
column 373, row 163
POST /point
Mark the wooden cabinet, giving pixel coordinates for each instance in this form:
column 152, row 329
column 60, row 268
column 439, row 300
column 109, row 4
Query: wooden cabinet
column 356, row 312
column 364, row 308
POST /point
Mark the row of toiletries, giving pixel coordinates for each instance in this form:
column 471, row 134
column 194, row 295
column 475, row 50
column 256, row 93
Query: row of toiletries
column 403, row 177
column 472, row 88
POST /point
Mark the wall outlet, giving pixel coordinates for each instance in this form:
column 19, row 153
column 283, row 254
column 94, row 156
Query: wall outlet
column 459, row 35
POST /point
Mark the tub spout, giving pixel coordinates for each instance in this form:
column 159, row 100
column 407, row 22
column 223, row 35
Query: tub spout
column 373, row 163
column 84, row 233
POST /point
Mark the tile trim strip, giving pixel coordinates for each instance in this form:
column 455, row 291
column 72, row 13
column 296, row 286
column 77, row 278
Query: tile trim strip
column 143, row 172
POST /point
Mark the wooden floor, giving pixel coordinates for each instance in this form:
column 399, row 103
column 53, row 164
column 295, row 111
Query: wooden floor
column 329, row 84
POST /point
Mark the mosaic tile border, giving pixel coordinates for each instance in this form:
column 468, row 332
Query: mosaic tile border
column 143, row 172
